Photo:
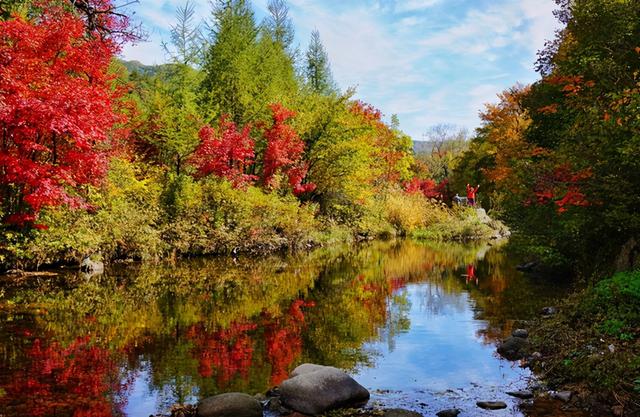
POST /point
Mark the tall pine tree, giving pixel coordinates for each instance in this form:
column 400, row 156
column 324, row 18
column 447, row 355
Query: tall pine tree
column 245, row 68
column 226, row 64
column 318, row 71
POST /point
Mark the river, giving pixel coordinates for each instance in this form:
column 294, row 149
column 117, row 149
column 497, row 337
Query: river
column 415, row 323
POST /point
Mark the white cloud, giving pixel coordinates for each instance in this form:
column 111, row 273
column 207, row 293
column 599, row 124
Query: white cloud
column 415, row 5
column 519, row 24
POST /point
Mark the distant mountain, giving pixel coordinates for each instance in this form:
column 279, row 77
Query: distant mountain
column 142, row 69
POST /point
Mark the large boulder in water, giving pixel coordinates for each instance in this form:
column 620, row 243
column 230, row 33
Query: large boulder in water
column 315, row 389
column 232, row 404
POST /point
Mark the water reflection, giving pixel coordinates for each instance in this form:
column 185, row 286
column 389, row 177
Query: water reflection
column 415, row 321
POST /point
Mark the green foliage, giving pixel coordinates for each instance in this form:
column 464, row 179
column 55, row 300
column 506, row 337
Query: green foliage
column 318, row 71
column 245, row 69
column 218, row 218
column 154, row 204
column 124, row 224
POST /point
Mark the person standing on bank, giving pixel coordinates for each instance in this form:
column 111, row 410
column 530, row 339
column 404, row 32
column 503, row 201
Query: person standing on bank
column 471, row 194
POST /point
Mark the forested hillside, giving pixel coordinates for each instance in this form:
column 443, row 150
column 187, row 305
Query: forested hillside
column 241, row 142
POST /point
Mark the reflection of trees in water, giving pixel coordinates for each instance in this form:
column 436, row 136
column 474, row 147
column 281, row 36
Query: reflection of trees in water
column 397, row 321
column 208, row 326
column 434, row 299
column 80, row 378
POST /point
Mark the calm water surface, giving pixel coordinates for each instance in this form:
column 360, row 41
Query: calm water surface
column 414, row 323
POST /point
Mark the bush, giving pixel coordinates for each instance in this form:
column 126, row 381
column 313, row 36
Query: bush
column 406, row 212
column 122, row 222
column 223, row 219
column 457, row 223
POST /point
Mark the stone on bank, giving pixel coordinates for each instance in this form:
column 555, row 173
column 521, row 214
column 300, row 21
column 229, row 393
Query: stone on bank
column 233, row 404
column 315, row 389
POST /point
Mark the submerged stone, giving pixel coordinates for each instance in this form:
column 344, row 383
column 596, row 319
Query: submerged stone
column 491, row 405
column 451, row 412
column 524, row 394
column 399, row 412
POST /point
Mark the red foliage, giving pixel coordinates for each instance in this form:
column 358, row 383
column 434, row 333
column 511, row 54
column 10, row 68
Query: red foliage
column 396, row 284
column 284, row 152
column 562, row 186
column 77, row 380
column 283, row 340
column 224, row 353
column 225, row 152
column 427, row 187
column 366, row 111
column 56, row 110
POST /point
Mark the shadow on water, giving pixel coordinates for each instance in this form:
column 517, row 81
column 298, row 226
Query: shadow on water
column 416, row 323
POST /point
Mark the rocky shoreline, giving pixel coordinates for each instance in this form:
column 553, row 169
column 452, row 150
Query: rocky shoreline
column 315, row 390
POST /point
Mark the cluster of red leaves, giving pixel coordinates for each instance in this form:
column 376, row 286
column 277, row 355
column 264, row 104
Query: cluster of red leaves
column 225, row 152
column 366, row 111
column 56, row 112
column 429, row 188
column 571, row 85
column 562, row 186
column 283, row 339
column 224, row 353
column 77, row 380
column 284, row 152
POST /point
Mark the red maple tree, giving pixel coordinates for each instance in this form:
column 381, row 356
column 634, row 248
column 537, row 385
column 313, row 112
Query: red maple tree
column 57, row 111
column 284, row 152
column 225, row 152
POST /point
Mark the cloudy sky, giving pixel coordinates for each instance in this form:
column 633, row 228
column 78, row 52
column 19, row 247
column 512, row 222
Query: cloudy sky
column 429, row 61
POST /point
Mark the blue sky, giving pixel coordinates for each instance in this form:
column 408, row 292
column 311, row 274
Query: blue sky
column 428, row 61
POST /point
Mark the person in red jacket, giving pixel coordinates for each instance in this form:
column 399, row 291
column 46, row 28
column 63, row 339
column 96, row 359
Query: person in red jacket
column 471, row 194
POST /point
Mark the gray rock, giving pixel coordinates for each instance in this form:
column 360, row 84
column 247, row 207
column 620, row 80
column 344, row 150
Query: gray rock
column 233, row 404
column 91, row 267
column 306, row 368
column 513, row 348
column 315, row 389
column 524, row 394
column 522, row 333
column 491, row 405
column 451, row 412
column 399, row 412
column 562, row 395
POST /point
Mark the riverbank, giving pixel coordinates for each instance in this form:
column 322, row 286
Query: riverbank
column 133, row 220
column 591, row 346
